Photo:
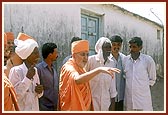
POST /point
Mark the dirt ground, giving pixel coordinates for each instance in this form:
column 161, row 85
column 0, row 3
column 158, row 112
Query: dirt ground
column 157, row 92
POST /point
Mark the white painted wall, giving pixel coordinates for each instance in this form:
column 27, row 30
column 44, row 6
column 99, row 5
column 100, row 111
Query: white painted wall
column 58, row 23
column 46, row 23
column 118, row 22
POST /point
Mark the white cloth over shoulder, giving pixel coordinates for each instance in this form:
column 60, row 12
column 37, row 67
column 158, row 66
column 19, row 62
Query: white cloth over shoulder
column 25, row 88
column 103, row 87
column 25, row 48
column 98, row 47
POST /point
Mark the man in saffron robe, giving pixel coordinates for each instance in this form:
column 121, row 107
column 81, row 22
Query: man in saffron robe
column 10, row 100
column 74, row 90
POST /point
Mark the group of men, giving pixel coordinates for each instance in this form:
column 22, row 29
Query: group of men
column 106, row 81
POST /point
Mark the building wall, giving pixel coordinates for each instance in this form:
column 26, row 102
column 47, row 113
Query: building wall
column 58, row 23
column 46, row 23
column 129, row 26
column 116, row 21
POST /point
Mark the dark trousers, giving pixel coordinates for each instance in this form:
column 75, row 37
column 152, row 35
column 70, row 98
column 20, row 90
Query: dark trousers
column 119, row 106
column 46, row 108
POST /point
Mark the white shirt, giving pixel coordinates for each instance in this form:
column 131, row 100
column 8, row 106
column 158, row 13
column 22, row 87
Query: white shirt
column 25, row 88
column 140, row 74
column 102, row 86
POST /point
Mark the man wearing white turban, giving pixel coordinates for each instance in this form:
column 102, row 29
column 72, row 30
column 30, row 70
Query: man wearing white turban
column 24, row 77
column 102, row 86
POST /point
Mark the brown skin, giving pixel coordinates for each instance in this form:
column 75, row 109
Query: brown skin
column 6, row 54
column 30, row 63
column 16, row 60
column 10, row 44
column 116, row 46
column 106, row 48
column 112, row 105
column 135, row 50
column 39, row 88
column 51, row 57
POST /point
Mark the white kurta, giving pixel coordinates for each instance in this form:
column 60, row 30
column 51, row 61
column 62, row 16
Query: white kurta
column 140, row 74
column 103, row 87
column 25, row 88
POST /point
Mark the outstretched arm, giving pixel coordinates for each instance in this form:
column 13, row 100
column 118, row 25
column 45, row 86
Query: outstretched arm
column 89, row 75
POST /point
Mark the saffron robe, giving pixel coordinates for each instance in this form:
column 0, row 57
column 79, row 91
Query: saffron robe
column 10, row 100
column 73, row 97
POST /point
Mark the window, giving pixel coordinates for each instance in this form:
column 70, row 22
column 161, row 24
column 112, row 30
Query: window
column 158, row 34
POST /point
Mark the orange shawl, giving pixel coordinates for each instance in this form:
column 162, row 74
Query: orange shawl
column 10, row 101
column 73, row 97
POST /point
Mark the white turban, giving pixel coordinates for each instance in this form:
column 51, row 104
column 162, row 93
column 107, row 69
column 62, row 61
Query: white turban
column 98, row 47
column 25, row 48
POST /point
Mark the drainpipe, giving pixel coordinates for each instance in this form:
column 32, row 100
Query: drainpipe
column 159, row 20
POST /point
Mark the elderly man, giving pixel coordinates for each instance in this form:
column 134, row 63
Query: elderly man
column 24, row 77
column 10, row 40
column 72, row 40
column 102, row 86
column 74, row 90
column 10, row 100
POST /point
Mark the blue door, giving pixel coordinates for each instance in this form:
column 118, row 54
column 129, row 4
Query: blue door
column 90, row 31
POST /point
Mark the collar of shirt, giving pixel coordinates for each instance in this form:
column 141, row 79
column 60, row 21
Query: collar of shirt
column 45, row 64
column 112, row 57
column 139, row 58
column 24, row 66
